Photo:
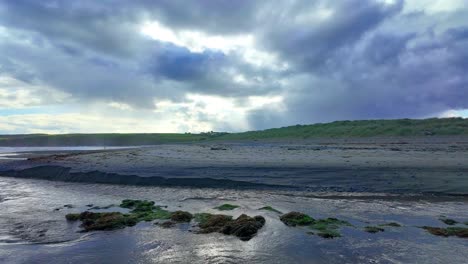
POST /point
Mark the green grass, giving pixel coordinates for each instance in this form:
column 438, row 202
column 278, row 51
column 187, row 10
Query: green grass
column 103, row 139
column 360, row 128
column 226, row 207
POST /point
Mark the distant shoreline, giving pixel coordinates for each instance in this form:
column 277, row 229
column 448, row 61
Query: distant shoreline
column 355, row 130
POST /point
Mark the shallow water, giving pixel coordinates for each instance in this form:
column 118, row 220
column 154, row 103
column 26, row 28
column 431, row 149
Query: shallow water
column 11, row 152
column 32, row 231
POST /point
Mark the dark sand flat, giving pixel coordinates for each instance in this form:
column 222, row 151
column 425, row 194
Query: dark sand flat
column 436, row 165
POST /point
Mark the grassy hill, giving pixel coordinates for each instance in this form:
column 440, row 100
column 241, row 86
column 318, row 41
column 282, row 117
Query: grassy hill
column 362, row 128
column 101, row 139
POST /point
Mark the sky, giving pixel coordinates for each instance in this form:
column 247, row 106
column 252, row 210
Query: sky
column 221, row 65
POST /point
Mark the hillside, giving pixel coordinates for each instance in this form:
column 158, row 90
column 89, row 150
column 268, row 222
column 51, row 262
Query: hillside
column 362, row 128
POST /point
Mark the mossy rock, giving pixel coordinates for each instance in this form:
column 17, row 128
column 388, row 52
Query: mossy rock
column 244, row 227
column 181, row 216
column 201, row 218
column 448, row 221
column 449, row 231
column 150, row 215
column 106, row 221
column 210, row 223
column 226, row 207
column 72, row 217
column 271, row 209
column 373, row 229
column 296, row 219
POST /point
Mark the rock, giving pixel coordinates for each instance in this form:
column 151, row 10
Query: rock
column 213, row 223
column 72, row 217
column 106, row 221
column 167, row 224
column 181, row 216
column 244, row 227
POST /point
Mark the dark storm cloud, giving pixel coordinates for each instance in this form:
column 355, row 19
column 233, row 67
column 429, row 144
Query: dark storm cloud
column 311, row 45
column 346, row 59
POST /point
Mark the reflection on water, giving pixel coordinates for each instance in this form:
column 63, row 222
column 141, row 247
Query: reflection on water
column 11, row 152
column 33, row 228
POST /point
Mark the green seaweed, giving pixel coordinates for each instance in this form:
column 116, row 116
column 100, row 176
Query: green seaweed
column 373, row 229
column 449, row 231
column 296, row 219
column 271, row 209
column 391, row 224
column 329, row 234
column 226, row 207
column 150, row 215
column 328, row 227
column 72, row 217
column 138, row 205
column 202, row 218
column 448, row 221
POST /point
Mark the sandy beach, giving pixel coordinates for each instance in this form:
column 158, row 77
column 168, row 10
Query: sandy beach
column 394, row 165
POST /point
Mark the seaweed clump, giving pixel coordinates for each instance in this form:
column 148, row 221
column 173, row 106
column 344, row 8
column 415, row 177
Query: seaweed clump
column 448, row 221
column 271, row 209
column 328, row 227
column 244, row 227
column 181, row 216
column 449, row 231
column 325, row 228
column 141, row 210
column 296, row 219
column 226, row 207
column 103, row 221
column 373, row 229
column 145, row 210
column 391, row 224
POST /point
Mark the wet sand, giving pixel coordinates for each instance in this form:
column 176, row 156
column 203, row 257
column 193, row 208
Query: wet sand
column 426, row 165
column 33, row 231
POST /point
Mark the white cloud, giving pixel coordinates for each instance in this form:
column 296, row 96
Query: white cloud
column 18, row 94
column 196, row 41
